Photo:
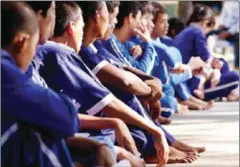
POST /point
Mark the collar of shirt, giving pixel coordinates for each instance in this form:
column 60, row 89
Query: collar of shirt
column 61, row 44
column 93, row 48
column 8, row 56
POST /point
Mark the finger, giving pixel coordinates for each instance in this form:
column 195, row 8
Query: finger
column 120, row 142
column 132, row 50
column 135, row 51
column 131, row 147
column 137, row 31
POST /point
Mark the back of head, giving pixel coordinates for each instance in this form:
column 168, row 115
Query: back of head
column 111, row 5
column 89, row 9
column 40, row 5
column 66, row 11
column 16, row 17
column 125, row 9
column 158, row 9
column 201, row 13
column 176, row 25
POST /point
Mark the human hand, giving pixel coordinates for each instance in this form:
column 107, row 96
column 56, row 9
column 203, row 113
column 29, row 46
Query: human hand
column 124, row 137
column 162, row 148
column 215, row 78
column 196, row 64
column 143, row 32
column 136, row 51
column 155, row 110
column 156, row 93
column 179, row 68
column 217, row 64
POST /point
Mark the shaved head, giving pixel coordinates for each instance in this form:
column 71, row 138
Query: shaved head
column 16, row 17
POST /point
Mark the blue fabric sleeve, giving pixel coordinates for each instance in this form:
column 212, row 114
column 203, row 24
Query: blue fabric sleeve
column 35, row 105
column 68, row 77
column 143, row 62
column 164, row 54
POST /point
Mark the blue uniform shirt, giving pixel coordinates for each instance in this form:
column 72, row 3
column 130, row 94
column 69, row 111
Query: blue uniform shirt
column 192, row 42
column 64, row 71
column 143, row 62
column 96, row 60
column 35, row 121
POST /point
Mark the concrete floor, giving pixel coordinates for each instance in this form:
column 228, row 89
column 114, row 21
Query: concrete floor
column 216, row 129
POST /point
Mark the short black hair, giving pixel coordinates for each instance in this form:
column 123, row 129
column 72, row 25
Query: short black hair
column 66, row 11
column 89, row 8
column 201, row 13
column 147, row 7
column 16, row 17
column 176, row 24
column 125, row 8
column 158, row 9
column 111, row 5
column 40, row 5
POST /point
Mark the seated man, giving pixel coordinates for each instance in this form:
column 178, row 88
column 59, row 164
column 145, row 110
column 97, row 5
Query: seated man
column 26, row 139
column 70, row 67
column 87, row 122
column 177, row 81
column 96, row 59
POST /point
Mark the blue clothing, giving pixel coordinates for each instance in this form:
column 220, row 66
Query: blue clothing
column 182, row 91
column 64, row 71
column 178, row 81
column 97, row 61
column 168, row 101
column 192, row 42
column 167, row 40
column 129, row 99
column 228, row 82
column 27, row 140
column 147, row 53
column 144, row 62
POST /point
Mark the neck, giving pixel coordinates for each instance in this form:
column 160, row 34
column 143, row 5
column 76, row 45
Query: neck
column 60, row 40
column 123, row 34
column 198, row 24
column 154, row 36
column 18, row 59
column 64, row 40
column 89, row 36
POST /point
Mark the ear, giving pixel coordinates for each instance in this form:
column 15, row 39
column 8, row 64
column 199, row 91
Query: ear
column 130, row 18
column 39, row 15
column 70, row 28
column 97, row 16
column 20, row 41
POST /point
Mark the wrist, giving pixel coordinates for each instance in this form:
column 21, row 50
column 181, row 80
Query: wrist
column 156, row 132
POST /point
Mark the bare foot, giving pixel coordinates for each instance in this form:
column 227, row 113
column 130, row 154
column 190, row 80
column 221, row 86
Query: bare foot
column 164, row 121
column 233, row 96
column 186, row 148
column 199, row 93
column 175, row 156
column 192, row 105
column 205, row 105
column 182, row 109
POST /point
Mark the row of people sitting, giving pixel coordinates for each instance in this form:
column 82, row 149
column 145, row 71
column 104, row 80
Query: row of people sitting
column 76, row 90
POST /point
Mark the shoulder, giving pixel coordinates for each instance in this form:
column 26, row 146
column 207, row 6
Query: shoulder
column 54, row 48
